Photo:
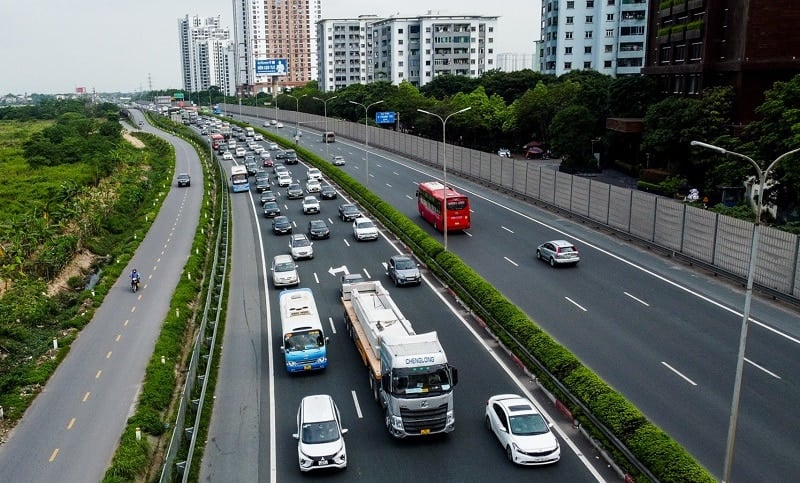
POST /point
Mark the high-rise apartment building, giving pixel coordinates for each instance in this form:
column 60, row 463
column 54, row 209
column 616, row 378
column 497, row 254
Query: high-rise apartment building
column 419, row 49
column 603, row 35
column 747, row 44
column 267, row 30
column 511, row 62
column 206, row 54
column 344, row 52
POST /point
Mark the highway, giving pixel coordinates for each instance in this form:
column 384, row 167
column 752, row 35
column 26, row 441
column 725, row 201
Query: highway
column 256, row 400
column 70, row 432
column 661, row 333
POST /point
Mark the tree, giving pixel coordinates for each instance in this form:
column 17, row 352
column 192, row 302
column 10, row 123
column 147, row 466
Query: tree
column 445, row 86
column 572, row 136
column 537, row 108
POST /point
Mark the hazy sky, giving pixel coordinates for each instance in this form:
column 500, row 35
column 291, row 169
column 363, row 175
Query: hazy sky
column 54, row 46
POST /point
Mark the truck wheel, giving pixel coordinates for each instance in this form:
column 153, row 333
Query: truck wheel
column 386, row 421
column 373, row 385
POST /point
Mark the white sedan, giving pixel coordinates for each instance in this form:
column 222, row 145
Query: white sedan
column 313, row 186
column 522, row 430
column 227, row 156
column 284, row 180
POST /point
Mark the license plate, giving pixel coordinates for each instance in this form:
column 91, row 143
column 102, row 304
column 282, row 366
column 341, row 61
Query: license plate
column 425, row 431
column 323, row 462
column 307, row 367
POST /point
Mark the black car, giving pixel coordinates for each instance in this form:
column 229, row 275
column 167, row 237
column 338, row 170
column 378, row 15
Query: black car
column 294, row 191
column 268, row 196
column 271, row 209
column 184, row 179
column 281, row 225
column 318, row 229
column 328, row 193
column 280, row 154
column 262, row 185
column 349, row 212
column 251, row 168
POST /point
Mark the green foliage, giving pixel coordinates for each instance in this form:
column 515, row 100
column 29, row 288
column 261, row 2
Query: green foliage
column 572, row 136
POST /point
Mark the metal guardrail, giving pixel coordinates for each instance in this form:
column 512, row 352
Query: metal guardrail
column 184, row 438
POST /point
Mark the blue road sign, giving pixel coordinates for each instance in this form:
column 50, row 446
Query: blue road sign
column 384, row 117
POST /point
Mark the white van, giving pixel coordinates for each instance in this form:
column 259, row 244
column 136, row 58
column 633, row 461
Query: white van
column 320, row 436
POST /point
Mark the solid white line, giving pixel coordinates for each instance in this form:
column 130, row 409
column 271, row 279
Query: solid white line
column 358, row 408
column 410, row 197
column 576, row 304
column 333, row 327
column 763, row 369
column 366, row 272
column 637, row 299
column 506, row 229
column 346, row 242
column 316, row 278
column 467, row 233
column 511, row 261
column 678, row 373
column 388, row 185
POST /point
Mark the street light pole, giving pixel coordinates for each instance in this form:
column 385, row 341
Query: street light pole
column 296, row 117
column 737, row 385
column 444, row 162
column 325, row 106
column 366, row 135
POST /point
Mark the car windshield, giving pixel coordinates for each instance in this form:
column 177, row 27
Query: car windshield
column 528, row 424
column 318, row 224
column 404, row 264
column 365, row 224
column 284, row 267
column 300, row 242
column 321, row 432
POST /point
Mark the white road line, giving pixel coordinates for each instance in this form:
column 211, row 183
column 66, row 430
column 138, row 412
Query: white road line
column 346, row 242
column 358, row 408
column 512, row 262
column 637, row 299
column 678, row 373
column 467, row 233
column 333, row 327
column 576, row 304
column 506, row 229
column 763, row 369
column 388, row 185
column 395, row 173
column 366, row 272
column 409, row 197
column 316, row 278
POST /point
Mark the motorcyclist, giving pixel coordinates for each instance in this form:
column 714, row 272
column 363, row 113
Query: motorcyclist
column 135, row 277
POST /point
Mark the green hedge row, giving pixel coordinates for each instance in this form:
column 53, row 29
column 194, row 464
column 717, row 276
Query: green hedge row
column 664, row 457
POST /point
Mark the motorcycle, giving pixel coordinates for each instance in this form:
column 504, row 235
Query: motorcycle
column 134, row 284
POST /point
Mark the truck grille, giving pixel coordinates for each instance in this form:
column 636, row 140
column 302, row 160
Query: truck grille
column 431, row 419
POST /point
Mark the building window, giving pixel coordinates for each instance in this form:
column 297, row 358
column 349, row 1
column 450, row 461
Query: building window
column 680, row 53
column 609, row 48
column 609, row 17
column 588, row 34
column 587, row 49
column 570, row 4
column 567, row 50
column 611, row 2
column 589, row 3
column 568, row 35
column 607, row 64
column 589, row 19
column 400, row 41
column 567, row 65
column 570, row 20
column 664, row 54
column 587, row 65
column 696, row 51
column 399, row 31
column 609, row 33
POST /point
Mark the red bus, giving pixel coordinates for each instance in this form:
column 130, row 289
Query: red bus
column 216, row 140
column 430, row 196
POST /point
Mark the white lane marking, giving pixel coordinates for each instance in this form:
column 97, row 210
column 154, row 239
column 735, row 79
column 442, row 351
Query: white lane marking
column 395, row 173
column 512, row 262
column 358, row 408
column 410, row 197
column 316, row 278
column 637, row 299
column 679, row 373
column 366, row 272
column 388, row 185
column 333, row 327
column 576, row 304
column 763, row 368
column 507, row 229
column 467, row 233
column 346, row 242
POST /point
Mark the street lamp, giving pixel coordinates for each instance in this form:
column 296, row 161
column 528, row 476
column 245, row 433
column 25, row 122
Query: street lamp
column 737, row 385
column 296, row 117
column 325, row 104
column 444, row 162
column 366, row 134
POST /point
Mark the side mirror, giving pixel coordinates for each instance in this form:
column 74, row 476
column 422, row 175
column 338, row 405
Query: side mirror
column 454, row 375
column 327, row 339
column 295, row 436
column 344, row 431
column 283, row 349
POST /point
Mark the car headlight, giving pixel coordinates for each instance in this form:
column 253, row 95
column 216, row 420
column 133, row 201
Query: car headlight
column 397, row 422
column 322, row 359
column 305, row 462
column 291, row 363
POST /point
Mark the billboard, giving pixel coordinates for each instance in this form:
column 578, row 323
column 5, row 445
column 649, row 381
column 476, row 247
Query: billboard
column 272, row 66
column 384, row 117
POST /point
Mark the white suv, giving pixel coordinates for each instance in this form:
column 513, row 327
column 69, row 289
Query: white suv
column 301, row 247
column 314, row 173
column 310, row 205
column 365, row 229
column 320, row 436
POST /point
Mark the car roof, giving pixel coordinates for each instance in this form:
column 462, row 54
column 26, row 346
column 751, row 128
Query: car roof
column 310, row 198
column 282, row 258
column 560, row 243
column 515, row 404
column 362, row 219
column 317, row 408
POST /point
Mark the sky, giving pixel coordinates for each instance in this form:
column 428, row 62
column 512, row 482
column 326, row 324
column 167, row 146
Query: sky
column 54, row 46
